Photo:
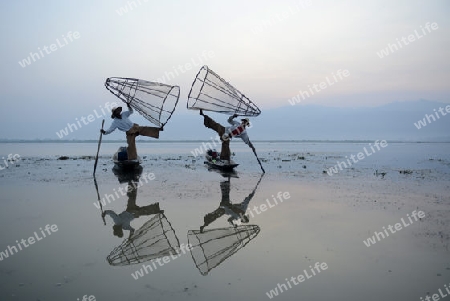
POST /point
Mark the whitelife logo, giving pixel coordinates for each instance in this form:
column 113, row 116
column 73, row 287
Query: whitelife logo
column 391, row 48
column 131, row 5
column 86, row 298
column 10, row 160
column 430, row 118
column 437, row 297
column 341, row 165
column 72, row 127
column 297, row 280
column 31, row 240
column 316, row 88
column 123, row 192
column 181, row 69
column 34, row 56
column 161, row 261
column 281, row 16
column 398, row 226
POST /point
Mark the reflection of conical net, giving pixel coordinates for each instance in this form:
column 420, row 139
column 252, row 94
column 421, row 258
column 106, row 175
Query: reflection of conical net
column 155, row 101
column 211, row 247
column 210, row 92
column 155, row 239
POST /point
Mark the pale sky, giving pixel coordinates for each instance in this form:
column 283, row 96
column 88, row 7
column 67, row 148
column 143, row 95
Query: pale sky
column 270, row 50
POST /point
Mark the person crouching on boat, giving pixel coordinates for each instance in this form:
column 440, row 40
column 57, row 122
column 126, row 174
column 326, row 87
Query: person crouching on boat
column 237, row 129
column 132, row 130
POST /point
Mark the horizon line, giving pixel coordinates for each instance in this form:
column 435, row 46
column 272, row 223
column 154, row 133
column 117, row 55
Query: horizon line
column 200, row 141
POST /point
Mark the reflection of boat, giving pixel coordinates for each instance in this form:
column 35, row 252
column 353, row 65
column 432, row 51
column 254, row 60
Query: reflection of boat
column 155, row 239
column 209, row 248
column 121, row 161
column 127, row 175
column 212, row 159
column 225, row 174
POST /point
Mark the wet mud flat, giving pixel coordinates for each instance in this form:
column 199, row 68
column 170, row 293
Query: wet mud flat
column 326, row 219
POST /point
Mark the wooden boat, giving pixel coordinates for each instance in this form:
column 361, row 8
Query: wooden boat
column 212, row 159
column 121, row 161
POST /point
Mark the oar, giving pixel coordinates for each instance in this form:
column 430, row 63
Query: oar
column 259, row 181
column 100, row 203
column 254, row 151
column 98, row 149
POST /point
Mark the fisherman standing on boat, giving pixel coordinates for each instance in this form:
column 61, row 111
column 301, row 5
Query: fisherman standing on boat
column 227, row 133
column 235, row 211
column 123, row 220
column 132, row 130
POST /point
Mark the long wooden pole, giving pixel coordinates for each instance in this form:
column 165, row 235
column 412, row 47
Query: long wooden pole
column 98, row 148
column 99, row 202
column 254, row 151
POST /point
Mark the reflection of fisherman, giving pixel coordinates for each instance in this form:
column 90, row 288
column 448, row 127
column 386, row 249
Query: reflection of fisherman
column 227, row 133
column 235, row 211
column 132, row 130
column 122, row 221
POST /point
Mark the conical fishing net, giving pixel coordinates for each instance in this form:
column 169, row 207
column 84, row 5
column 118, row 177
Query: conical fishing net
column 155, row 239
column 211, row 247
column 156, row 102
column 210, row 92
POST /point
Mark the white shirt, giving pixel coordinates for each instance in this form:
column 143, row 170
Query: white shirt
column 123, row 124
column 234, row 125
column 124, row 219
column 242, row 206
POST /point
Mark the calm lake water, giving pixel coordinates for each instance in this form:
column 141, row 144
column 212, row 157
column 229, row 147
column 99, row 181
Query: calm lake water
column 325, row 219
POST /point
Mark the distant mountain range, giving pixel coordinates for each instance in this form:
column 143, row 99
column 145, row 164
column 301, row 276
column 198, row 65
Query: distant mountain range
column 394, row 121
column 398, row 121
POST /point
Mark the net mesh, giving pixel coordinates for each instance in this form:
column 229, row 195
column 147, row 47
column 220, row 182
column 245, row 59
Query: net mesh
column 211, row 247
column 210, row 92
column 155, row 239
column 156, row 102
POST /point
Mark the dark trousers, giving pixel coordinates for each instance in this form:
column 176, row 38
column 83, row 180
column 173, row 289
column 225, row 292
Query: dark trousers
column 220, row 130
column 147, row 131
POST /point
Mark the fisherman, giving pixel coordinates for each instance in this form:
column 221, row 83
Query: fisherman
column 227, row 133
column 235, row 211
column 132, row 130
column 123, row 220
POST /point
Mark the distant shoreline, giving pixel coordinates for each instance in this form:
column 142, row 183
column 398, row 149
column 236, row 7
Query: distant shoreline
column 200, row 141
